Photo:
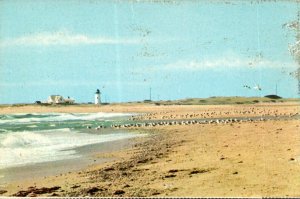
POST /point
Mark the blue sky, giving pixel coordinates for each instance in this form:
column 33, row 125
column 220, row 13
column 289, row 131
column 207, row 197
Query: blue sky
column 181, row 49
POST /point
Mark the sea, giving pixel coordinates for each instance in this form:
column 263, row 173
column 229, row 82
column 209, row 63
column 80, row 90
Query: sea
column 27, row 139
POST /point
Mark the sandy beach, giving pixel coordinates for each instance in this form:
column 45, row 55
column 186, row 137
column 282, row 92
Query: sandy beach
column 244, row 158
column 149, row 98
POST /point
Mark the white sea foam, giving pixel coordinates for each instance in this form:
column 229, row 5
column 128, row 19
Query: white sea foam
column 21, row 148
column 53, row 117
column 32, row 126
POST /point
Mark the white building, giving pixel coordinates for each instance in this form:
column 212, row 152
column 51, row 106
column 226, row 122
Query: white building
column 69, row 101
column 58, row 99
column 97, row 97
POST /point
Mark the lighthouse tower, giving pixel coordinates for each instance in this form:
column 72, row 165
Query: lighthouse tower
column 97, row 97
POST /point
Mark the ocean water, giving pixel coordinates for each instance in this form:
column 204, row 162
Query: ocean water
column 36, row 138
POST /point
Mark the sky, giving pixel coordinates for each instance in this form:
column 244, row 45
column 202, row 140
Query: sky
column 179, row 49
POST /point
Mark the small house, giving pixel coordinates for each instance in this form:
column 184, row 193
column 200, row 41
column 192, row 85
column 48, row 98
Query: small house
column 69, row 100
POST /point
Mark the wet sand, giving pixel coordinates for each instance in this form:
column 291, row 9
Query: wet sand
column 255, row 158
column 86, row 157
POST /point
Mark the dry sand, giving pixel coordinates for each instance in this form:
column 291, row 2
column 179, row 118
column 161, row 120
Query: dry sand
column 147, row 108
column 241, row 159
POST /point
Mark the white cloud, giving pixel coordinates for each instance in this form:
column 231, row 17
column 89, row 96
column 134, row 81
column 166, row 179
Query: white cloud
column 63, row 37
column 69, row 83
column 227, row 62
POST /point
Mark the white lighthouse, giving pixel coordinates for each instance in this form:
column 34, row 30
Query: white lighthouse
column 97, row 97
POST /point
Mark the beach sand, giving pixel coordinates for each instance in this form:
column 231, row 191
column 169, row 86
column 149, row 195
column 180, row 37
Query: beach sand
column 258, row 158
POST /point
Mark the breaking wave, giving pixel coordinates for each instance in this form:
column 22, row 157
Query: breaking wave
column 27, row 147
column 56, row 117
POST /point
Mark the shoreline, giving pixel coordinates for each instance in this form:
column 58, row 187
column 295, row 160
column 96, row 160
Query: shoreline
column 86, row 153
column 248, row 159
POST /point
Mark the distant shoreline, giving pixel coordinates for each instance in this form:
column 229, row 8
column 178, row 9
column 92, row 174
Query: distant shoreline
column 124, row 108
column 143, row 106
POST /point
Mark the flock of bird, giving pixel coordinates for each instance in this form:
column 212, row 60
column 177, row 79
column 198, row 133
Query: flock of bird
column 256, row 87
column 167, row 118
column 247, row 112
column 188, row 122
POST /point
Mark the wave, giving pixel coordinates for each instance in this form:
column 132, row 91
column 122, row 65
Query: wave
column 54, row 117
column 21, row 148
column 4, row 130
column 27, row 138
column 32, row 126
